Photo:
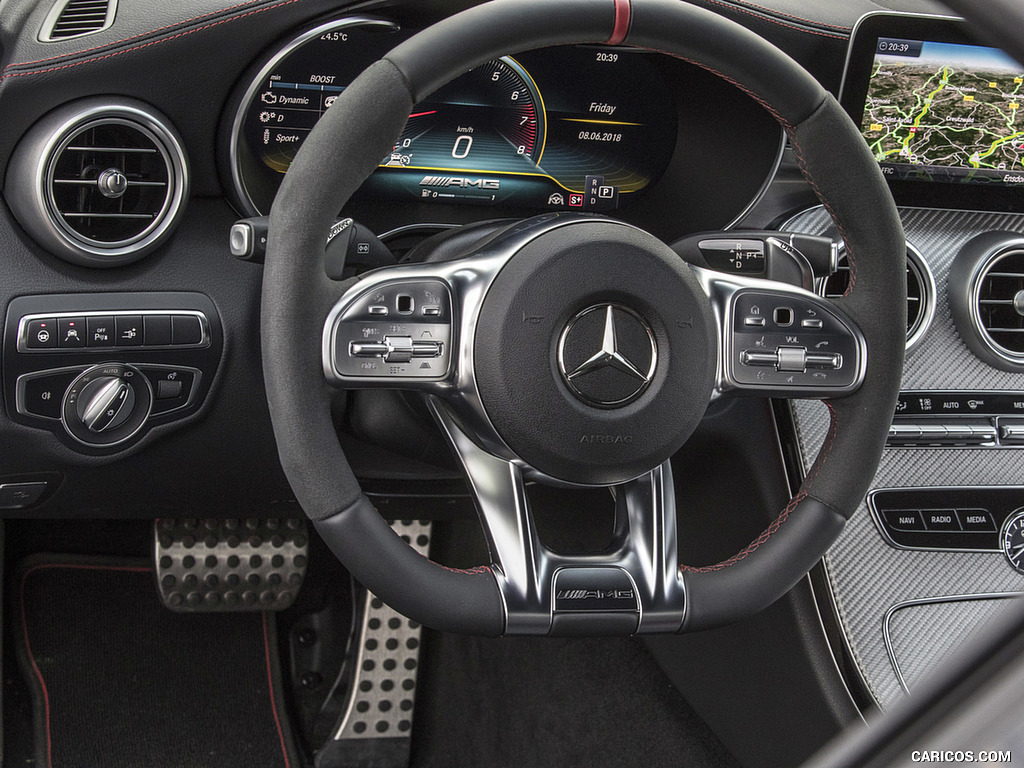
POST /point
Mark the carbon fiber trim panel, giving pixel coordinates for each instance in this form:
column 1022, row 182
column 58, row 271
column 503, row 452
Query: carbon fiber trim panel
column 868, row 576
column 955, row 620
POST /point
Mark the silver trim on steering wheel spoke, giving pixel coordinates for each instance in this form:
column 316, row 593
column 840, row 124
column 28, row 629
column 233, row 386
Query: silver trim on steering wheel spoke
column 777, row 340
column 632, row 588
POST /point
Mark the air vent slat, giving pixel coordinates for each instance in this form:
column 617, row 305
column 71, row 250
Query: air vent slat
column 114, row 150
column 94, row 215
column 92, row 182
column 75, row 18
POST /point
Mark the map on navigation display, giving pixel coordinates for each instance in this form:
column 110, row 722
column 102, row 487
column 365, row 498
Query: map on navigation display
column 945, row 112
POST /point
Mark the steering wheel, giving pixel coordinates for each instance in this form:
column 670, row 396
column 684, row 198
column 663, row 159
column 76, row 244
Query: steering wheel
column 577, row 350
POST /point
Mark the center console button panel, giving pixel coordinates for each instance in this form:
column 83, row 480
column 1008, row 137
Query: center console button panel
column 939, row 518
column 958, row 419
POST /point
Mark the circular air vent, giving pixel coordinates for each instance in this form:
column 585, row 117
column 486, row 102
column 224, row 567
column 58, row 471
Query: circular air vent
column 920, row 292
column 99, row 183
column 986, row 284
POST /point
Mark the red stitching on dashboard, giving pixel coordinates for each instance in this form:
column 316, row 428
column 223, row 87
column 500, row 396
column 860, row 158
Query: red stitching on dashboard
column 752, row 547
column 621, row 27
column 144, row 45
column 767, row 18
column 133, row 37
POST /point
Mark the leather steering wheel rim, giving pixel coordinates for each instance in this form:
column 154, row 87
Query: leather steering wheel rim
column 361, row 126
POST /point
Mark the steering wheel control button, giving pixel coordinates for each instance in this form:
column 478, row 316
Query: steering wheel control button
column 407, row 347
column 793, row 359
column 220, row 565
column 21, row 495
column 791, row 356
column 41, row 334
column 41, row 394
column 607, row 355
column 754, row 321
column 106, row 405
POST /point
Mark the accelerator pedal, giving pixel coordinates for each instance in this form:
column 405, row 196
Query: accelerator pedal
column 230, row 565
column 376, row 729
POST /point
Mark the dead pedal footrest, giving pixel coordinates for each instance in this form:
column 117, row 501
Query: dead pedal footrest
column 230, row 565
column 376, row 728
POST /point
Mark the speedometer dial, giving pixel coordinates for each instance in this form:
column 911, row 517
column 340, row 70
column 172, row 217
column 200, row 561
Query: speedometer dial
column 490, row 120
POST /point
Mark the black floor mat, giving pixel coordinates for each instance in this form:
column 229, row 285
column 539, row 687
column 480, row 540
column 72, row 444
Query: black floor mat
column 119, row 681
column 541, row 702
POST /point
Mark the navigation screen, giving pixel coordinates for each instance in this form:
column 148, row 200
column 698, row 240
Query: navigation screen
column 945, row 112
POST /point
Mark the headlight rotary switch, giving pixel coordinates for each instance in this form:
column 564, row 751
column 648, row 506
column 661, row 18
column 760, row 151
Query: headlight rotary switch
column 107, row 404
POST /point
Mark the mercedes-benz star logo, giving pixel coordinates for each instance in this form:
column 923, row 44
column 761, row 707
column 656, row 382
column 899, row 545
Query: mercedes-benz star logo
column 607, row 355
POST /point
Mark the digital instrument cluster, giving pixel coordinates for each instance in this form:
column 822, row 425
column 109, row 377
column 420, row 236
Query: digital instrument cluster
column 584, row 127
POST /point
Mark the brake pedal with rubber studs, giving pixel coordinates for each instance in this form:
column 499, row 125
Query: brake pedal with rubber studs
column 230, row 565
column 376, row 728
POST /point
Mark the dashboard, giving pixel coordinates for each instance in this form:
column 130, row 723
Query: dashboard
column 127, row 156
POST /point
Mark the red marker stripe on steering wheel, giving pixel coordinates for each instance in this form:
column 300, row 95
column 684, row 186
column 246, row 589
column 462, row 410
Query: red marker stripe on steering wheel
column 621, row 28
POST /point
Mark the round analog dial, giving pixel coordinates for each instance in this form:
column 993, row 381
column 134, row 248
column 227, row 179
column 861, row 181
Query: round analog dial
column 1011, row 539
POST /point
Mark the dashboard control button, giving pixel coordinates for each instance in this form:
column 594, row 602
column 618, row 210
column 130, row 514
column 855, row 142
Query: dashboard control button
column 128, row 330
column 941, row 519
column 100, row 331
column 168, row 390
column 813, row 323
column 42, row 395
column 1011, row 431
column 173, row 386
column 904, row 520
column 376, row 309
column 432, row 311
column 186, row 329
column 975, row 520
column 158, row 330
column 71, row 332
column 41, row 334
column 21, row 495
column 753, row 321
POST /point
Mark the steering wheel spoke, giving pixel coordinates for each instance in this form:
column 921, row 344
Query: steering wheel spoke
column 777, row 340
column 633, row 587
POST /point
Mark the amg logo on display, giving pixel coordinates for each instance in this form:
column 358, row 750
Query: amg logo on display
column 595, row 594
column 459, row 181
column 607, row 439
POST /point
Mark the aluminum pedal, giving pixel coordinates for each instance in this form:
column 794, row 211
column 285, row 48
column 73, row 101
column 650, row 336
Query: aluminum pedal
column 230, row 565
column 376, row 727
